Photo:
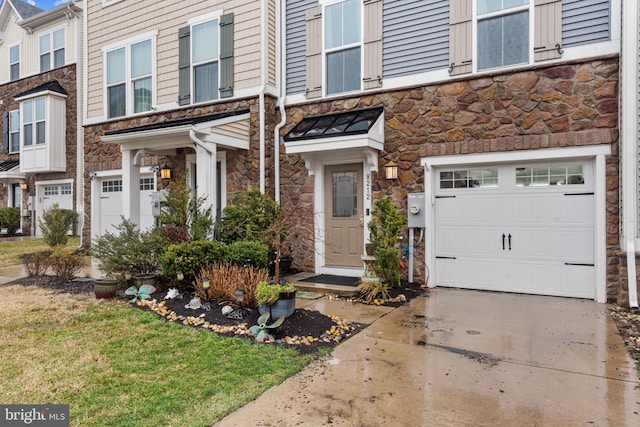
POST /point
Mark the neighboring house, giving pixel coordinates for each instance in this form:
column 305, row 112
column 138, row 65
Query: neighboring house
column 39, row 102
column 182, row 86
column 505, row 118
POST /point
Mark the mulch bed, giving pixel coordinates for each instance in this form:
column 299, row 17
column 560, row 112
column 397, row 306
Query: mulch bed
column 303, row 323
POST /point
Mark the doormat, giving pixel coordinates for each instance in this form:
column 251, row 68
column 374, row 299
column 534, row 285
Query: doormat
column 329, row 279
column 308, row 295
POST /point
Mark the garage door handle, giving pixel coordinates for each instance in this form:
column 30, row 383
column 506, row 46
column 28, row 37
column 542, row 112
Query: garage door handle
column 503, row 236
column 509, row 241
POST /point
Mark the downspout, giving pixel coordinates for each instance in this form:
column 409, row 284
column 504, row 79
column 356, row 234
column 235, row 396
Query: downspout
column 79, row 117
column 629, row 135
column 281, row 66
column 263, row 88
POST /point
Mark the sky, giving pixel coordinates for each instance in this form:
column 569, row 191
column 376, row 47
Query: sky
column 46, row 4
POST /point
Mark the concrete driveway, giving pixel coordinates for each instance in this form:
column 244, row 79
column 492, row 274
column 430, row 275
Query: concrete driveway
column 462, row 358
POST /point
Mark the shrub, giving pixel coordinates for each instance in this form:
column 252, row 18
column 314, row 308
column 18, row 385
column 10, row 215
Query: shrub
column 36, row 264
column 253, row 216
column 183, row 210
column 55, row 224
column 129, row 249
column 384, row 228
column 225, row 280
column 10, row 219
column 190, row 257
column 65, row 262
column 244, row 252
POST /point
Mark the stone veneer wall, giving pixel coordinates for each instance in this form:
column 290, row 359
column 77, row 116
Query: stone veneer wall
column 66, row 76
column 564, row 105
column 242, row 166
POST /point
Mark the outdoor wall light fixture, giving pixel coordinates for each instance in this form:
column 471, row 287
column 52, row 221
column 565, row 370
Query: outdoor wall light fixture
column 165, row 172
column 23, row 185
column 391, row 170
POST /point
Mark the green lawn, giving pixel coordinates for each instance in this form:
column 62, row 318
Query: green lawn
column 119, row 366
column 11, row 250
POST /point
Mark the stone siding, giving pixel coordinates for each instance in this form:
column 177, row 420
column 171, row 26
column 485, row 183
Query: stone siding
column 565, row 105
column 66, row 76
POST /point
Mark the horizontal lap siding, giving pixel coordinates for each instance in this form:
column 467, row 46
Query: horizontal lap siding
column 296, row 44
column 585, row 21
column 127, row 19
column 415, row 36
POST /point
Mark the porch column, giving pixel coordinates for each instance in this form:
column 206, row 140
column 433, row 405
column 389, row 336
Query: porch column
column 130, row 187
column 206, row 160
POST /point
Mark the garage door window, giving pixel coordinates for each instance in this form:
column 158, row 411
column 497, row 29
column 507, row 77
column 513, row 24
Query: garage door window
column 51, row 190
column 65, row 189
column 547, row 175
column 112, row 186
column 146, row 184
column 469, row 178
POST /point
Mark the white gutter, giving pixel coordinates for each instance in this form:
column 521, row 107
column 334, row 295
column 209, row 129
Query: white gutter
column 629, row 139
column 281, row 67
column 263, row 88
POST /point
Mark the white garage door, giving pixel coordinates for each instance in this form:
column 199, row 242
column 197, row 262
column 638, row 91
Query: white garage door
column 111, row 203
column 516, row 228
column 61, row 194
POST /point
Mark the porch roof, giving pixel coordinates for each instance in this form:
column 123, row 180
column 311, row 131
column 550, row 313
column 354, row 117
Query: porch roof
column 349, row 129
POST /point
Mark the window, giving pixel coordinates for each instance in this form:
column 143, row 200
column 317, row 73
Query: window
column 34, row 115
column 546, row 175
column 66, row 189
column 14, row 131
column 469, row 178
column 52, row 50
column 342, row 45
column 14, row 62
column 503, row 33
column 206, row 59
column 51, row 190
column 112, row 186
column 146, row 184
column 129, row 83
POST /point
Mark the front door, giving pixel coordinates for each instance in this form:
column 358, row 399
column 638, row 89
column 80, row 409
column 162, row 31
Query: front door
column 343, row 215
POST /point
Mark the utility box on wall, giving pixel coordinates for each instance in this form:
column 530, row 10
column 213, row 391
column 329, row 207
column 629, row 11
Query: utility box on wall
column 416, row 210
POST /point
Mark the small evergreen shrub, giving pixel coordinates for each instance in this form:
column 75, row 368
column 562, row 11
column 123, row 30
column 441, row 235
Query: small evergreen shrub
column 244, row 252
column 36, row 264
column 55, row 224
column 384, row 228
column 129, row 249
column 10, row 219
column 66, row 262
column 190, row 257
column 372, row 289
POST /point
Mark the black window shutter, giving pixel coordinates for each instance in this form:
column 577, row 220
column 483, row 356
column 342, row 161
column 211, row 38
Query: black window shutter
column 184, row 66
column 5, row 132
column 226, row 55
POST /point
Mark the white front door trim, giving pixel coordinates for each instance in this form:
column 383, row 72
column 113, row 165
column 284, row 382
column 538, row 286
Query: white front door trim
column 597, row 152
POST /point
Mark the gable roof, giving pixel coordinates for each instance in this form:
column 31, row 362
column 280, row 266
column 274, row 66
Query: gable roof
column 25, row 10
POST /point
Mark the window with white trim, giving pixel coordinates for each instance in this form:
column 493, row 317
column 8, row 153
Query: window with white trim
column 52, row 47
column 469, row 178
column 34, row 121
column 66, row 189
column 204, row 60
column 129, row 79
column 14, row 131
column 112, row 186
column 146, row 184
column 547, row 175
column 343, row 46
column 503, row 33
column 51, row 190
column 14, row 62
